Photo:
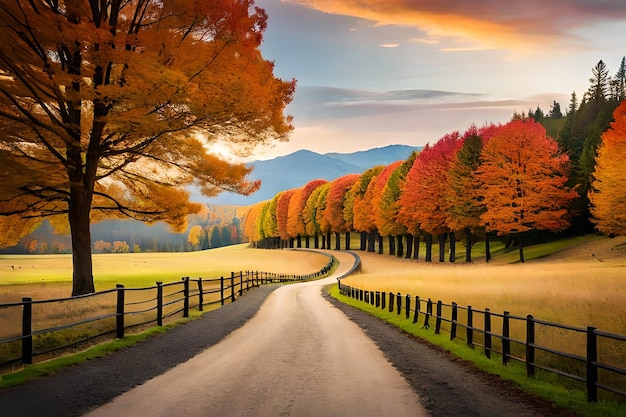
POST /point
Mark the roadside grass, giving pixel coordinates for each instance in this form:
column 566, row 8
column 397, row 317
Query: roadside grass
column 543, row 385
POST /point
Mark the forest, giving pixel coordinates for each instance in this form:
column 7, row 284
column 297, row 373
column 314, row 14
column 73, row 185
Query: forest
column 536, row 176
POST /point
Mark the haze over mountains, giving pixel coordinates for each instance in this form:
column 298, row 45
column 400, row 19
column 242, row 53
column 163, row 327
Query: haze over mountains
column 297, row 169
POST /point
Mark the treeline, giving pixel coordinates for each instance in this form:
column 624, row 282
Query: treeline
column 504, row 180
column 213, row 227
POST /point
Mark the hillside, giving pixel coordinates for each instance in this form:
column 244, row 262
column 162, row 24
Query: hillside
column 298, row 168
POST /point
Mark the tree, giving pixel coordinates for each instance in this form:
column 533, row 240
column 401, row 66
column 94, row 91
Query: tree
column 374, row 195
column 358, row 208
column 296, row 225
column 333, row 212
column 423, row 198
column 109, row 108
column 194, row 237
column 608, row 195
column 523, row 178
column 555, row 110
column 312, row 215
column 282, row 214
column 618, row 83
column 599, row 88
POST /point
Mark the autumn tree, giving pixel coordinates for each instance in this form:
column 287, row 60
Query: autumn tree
column 109, row 108
column 333, row 213
column 312, row 213
column 608, row 195
column 296, row 225
column 270, row 221
column 523, row 181
column 194, row 237
column 387, row 220
column 463, row 201
column 423, row 198
column 357, row 213
column 282, row 214
column 373, row 195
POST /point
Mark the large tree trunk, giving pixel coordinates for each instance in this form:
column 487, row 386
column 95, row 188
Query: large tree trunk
column 82, row 280
column 347, row 245
column 371, row 241
column 400, row 250
column 521, row 247
column 416, row 247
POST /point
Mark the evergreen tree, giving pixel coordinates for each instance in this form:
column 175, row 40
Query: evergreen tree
column 618, row 83
column 555, row 111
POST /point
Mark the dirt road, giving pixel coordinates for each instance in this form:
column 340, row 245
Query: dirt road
column 299, row 356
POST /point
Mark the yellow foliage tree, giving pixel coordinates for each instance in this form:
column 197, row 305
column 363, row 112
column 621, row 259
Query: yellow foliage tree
column 608, row 196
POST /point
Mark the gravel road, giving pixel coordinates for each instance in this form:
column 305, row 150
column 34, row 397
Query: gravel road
column 297, row 356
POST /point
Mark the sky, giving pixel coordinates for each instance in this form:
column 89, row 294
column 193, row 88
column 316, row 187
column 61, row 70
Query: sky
column 371, row 73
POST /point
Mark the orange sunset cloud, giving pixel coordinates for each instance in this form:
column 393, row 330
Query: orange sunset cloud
column 481, row 24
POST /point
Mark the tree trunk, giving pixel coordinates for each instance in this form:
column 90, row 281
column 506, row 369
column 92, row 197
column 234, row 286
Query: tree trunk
column 429, row 247
column 392, row 245
column 468, row 245
column 82, row 280
column 316, row 241
column 380, row 243
column 400, row 251
column 452, row 247
column 363, row 241
column 299, row 241
column 347, row 241
column 442, row 246
column 337, row 240
column 307, row 241
column 371, row 242
column 416, row 247
column 521, row 247
column 328, row 240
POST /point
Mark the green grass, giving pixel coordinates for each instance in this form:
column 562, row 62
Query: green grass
column 544, row 387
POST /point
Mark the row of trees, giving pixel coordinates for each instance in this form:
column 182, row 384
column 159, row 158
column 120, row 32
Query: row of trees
column 499, row 179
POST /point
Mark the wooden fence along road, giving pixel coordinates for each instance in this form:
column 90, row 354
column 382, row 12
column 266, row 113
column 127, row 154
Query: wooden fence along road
column 607, row 375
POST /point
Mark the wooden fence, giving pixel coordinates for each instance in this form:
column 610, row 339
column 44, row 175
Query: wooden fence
column 43, row 328
column 515, row 338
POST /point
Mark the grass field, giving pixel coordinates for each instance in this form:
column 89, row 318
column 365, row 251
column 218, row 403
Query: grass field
column 50, row 276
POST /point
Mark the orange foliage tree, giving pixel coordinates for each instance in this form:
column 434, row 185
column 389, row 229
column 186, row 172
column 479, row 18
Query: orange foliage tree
column 312, row 214
column 373, row 195
column 333, row 212
column 109, row 108
column 282, row 215
column 357, row 208
column 463, row 200
column 523, row 177
column 295, row 216
column 608, row 196
column 422, row 202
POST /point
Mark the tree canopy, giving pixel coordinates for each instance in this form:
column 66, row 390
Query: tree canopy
column 110, row 108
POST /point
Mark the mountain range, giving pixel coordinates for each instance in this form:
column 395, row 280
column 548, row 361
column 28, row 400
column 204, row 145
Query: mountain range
column 298, row 168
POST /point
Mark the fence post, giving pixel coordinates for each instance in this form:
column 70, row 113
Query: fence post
column 119, row 317
column 27, row 330
column 530, row 346
column 506, row 342
column 159, row 298
column 592, row 369
column 407, row 307
column 372, row 297
column 222, row 290
column 186, row 295
column 383, row 300
column 200, row 295
column 232, row 287
column 240, row 283
column 417, row 308
column 399, row 302
column 377, row 299
column 453, row 321
column 391, row 300
column 487, row 333
column 438, row 318
column 247, row 280
column 429, row 311
column 470, row 327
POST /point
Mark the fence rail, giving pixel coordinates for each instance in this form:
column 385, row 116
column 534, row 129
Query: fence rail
column 112, row 312
column 581, row 366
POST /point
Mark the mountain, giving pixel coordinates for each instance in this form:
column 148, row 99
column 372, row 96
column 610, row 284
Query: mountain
column 298, row 168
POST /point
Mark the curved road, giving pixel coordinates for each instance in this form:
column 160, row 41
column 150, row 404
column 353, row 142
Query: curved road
column 298, row 356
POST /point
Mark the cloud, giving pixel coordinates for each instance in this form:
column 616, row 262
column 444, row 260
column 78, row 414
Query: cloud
column 484, row 24
column 389, row 45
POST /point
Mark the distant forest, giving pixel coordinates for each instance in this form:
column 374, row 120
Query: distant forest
column 213, row 227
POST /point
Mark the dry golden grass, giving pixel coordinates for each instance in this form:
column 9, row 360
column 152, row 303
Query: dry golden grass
column 580, row 286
